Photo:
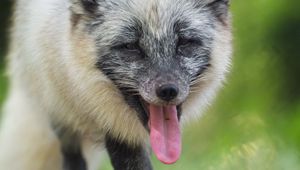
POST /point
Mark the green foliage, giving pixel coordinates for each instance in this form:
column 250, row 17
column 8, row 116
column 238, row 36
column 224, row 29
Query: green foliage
column 3, row 89
column 5, row 6
column 254, row 124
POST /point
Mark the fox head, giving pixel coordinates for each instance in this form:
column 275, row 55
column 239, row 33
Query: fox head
column 166, row 58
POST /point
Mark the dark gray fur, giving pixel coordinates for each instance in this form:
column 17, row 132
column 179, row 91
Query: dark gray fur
column 70, row 147
column 125, row 157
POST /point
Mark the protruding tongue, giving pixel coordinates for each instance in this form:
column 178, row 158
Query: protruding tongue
column 165, row 133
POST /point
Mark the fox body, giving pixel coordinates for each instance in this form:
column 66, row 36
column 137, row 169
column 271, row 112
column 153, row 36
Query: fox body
column 90, row 75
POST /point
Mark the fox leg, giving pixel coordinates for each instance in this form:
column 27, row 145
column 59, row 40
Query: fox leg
column 124, row 157
column 27, row 141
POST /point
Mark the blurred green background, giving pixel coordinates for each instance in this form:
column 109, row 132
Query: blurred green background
column 255, row 122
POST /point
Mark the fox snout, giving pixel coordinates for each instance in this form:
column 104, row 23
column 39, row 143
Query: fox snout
column 164, row 90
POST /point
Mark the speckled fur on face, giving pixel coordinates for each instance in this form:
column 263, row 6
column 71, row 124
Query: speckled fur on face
column 187, row 43
column 155, row 28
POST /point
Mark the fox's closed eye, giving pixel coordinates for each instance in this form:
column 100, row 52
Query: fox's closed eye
column 183, row 42
column 131, row 47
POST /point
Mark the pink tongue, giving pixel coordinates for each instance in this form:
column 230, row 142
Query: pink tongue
column 165, row 133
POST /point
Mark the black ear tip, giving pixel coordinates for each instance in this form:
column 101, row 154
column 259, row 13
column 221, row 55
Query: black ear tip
column 90, row 5
column 89, row 2
column 226, row 2
column 220, row 9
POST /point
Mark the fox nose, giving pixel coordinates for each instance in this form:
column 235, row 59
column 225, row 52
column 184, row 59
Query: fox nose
column 167, row 92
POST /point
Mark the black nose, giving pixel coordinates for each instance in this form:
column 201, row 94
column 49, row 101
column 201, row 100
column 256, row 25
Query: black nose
column 167, row 92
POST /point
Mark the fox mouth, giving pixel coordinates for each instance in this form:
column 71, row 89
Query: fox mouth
column 162, row 121
column 146, row 110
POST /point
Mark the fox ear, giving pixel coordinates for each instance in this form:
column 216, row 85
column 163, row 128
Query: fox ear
column 219, row 8
column 90, row 5
column 84, row 6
